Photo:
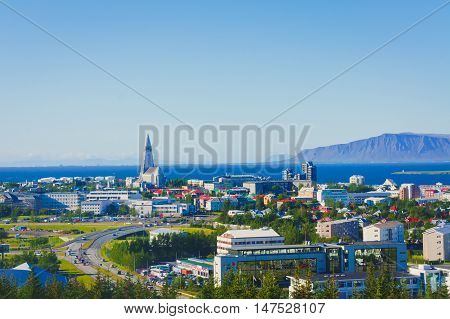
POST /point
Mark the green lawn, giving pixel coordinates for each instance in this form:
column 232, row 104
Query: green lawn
column 69, row 269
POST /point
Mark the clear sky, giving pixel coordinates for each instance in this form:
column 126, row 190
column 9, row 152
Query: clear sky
column 232, row 62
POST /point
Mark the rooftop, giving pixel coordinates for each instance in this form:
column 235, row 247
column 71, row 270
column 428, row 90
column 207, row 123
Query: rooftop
column 440, row 229
column 354, row 276
column 250, row 233
column 340, row 221
column 387, row 224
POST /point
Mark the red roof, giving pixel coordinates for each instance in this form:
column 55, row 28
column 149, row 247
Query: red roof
column 286, row 200
column 412, row 219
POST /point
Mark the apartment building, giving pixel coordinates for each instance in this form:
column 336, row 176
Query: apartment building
column 384, row 231
column 242, row 238
column 338, row 228
column 409, row 191
column 357, row 179
column 436, row 244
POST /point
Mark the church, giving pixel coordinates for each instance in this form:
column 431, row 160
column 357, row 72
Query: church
column 150, row 175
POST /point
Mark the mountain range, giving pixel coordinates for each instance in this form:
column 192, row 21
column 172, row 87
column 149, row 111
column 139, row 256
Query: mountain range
column 386, row 148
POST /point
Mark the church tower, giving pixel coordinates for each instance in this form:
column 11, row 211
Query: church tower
column 147, row 159
column 150, row 174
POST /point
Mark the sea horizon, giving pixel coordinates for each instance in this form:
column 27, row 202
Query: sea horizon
column 375, row 173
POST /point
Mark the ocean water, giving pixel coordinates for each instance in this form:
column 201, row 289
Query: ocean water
column 374, row 173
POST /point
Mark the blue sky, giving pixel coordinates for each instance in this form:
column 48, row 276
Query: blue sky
column 232, row 62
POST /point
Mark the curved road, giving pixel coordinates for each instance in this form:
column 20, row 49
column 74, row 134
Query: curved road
column 92, row 253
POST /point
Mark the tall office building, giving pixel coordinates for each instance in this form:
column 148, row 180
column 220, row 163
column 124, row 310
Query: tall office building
column 309, row 171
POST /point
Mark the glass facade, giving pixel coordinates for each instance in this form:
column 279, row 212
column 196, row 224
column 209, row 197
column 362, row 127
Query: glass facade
column 333, row 260
column 280, row 268
column 378, row 257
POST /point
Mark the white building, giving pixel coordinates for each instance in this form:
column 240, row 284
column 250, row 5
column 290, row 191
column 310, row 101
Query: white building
column 196, row 182
column 142, row 207
column 245, row 238
column 336, row 195
column 359, row 198
column 96, row 207
column 357, row 179
column 370, row 201
column 389, row 184
column 384, row 231
column 113, row 195
column 69, row 201
column 172, row 210
column 436, row 243
column 46, row 180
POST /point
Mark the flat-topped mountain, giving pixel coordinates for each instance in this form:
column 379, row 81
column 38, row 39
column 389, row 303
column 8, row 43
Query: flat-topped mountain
column 386, row 148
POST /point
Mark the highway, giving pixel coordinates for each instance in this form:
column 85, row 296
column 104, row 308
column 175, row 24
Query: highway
column 92, row 253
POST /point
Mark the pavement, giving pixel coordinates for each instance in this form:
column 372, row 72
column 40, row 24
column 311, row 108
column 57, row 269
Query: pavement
column 93, row 259
column 91, row 255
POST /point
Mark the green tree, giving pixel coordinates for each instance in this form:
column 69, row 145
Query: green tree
column 370, row 289
column 270, row 288
column 303, row 290
column 259, row 203
column 8, row 289
column 103, row 288
column 168, row 291
column 384, row 285
column 49, row 261
column 76, row 290
column 330, row 291
column 32, row 288
column 441, row 292
column 3, row 234
column 208, row 290
column 54, row 290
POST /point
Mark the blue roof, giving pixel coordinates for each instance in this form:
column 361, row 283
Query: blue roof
column 19, row 277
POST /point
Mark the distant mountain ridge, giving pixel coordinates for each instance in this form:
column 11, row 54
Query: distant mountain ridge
column 386, row 148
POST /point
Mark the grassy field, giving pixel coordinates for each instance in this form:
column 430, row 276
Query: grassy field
column 107, row 273
column 207, row 231
column 23, row 243
column 69, row 269
column 67, row 227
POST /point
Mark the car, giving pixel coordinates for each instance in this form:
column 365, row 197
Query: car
column 114, row 235
column 83, row 238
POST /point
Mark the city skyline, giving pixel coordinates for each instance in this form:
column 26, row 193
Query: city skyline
column 215, row 63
